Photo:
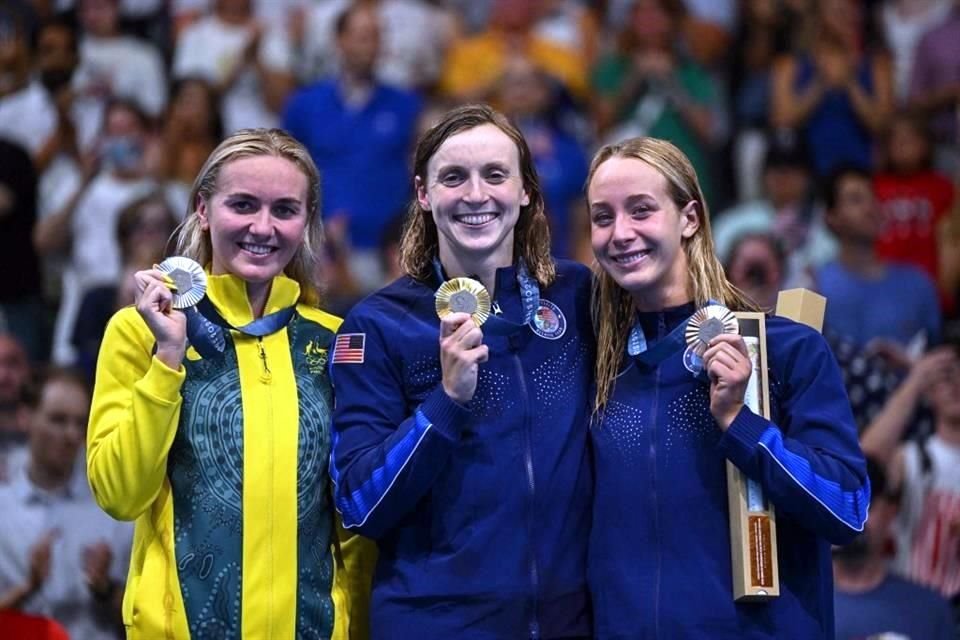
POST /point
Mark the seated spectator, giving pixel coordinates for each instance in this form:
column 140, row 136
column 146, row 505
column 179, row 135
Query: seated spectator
column 475, row 64
column 60, row 556
column 143, row 231
column 756, row 266
column 871, row 602
column 22, row 311
column 191, row 130
column 787, row 209
column 868, row 298
column 114, row 65
column 84, row 227
column 415, row 35
column 248, row 62
column 927, row 470
column 903, row 23
column 836, row 92
column 526, row 96
column 360, row 134
column 14, row 381
column 649, row 88
column 914, row 199
column 935, row 87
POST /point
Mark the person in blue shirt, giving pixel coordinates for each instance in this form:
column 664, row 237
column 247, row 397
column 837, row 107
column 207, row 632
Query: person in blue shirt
column 462, row 449
column 359, row 133
column 660, row 560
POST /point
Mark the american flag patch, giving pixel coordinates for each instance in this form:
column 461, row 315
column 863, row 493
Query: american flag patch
column 349, row 348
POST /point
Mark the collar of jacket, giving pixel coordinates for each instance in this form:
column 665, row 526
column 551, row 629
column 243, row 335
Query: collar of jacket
column 228, row 293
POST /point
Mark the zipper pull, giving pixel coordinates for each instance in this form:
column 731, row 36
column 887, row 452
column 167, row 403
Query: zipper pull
column 265, row 375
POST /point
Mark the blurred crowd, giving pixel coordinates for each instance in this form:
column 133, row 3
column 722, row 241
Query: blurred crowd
column 824, row 132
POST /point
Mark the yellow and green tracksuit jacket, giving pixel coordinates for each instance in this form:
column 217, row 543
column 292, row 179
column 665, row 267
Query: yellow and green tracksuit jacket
column 223, row 466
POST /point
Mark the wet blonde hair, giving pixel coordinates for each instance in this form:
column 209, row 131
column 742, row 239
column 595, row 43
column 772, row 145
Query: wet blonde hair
column 613, row 308
column 531, row 237
column 193, row 242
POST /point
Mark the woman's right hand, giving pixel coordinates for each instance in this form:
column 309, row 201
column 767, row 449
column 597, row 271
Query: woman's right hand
column 154, row 302
column 461, row 352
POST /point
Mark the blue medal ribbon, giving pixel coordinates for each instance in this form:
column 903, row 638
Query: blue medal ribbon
column 206, row 328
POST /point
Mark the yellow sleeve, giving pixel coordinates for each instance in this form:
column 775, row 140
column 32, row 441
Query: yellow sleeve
column 133, row 418
column 355, row 558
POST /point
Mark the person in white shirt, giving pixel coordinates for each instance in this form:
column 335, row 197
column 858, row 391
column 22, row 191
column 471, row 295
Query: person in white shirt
column 60, row 556
column 113, row 64
column 249, row 63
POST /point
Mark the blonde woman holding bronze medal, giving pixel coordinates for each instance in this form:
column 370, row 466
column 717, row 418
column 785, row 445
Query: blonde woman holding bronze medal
column 461, row 440
column 210, row 424
column 671, row 377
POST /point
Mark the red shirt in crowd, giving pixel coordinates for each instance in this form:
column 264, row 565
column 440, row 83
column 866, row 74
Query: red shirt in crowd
column 913, row 206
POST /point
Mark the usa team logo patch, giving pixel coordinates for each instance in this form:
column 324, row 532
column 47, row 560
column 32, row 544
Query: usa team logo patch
column 548, row 322
column 349, row 348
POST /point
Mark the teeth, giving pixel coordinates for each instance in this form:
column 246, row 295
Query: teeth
column 259, row 249
column 630, row 258
column 479, row 218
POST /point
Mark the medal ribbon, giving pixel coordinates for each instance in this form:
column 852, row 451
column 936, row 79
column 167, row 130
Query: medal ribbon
column 206, row 327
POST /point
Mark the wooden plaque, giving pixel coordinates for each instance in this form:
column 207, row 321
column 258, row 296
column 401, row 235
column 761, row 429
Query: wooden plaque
column 753, row 523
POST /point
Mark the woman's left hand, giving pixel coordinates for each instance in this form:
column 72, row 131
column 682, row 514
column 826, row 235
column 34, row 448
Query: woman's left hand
column 727, row 362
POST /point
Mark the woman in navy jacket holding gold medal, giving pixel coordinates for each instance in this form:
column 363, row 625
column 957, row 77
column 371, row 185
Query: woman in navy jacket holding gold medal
column 462, row 449
column 668, row 420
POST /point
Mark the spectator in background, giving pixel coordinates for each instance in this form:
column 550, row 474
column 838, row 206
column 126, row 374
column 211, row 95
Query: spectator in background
column 868, row 600
column 359, row 133
column 648, row 88
column 836, row 91
column 869, row 298
column 935, row 87
column 248, row 62
column 60, row 556
column 414, row 36
column 756, row 266
column 143, row 230
column 24, row 114
column 915, row 200
column 762, row 36
column 191, row 130
column 14, row 380
column 787, row 210
column 475, row 64
column 528, row 97
column 22, row 311
column 570, row 24
column 927, row 470
column 85, row 227
column 114, row 64
column 904, row 22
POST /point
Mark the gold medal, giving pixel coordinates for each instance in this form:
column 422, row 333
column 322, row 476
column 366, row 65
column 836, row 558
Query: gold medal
column 463, row 295
column 706, row 324
column 188, row 278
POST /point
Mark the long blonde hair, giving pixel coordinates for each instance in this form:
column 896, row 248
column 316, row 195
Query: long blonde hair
column 531, row 237
column 193, row 242
column 613, row 307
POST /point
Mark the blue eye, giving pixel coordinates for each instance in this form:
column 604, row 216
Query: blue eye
column 452, row 178
column 242, row 206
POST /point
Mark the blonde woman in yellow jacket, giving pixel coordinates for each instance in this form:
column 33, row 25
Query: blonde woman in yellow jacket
column 218, row 445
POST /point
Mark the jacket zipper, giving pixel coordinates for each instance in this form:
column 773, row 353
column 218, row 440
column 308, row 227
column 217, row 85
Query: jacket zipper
column 661, row 331
column 533, row 624
column 265, row 375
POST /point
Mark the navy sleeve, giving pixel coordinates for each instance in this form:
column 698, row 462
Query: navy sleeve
column 810, row 464
column 385, row 457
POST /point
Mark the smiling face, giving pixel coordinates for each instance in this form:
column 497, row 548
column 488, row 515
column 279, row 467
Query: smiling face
column 474, row 191
column 256, row 217
column 637, row 231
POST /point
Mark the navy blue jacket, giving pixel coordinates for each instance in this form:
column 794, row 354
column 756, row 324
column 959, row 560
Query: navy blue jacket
column 660, row 563
column 481, row 512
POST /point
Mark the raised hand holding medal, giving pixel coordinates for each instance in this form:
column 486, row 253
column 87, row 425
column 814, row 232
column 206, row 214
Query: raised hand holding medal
column 463, row 305
column 161, row 294
column 713, row 334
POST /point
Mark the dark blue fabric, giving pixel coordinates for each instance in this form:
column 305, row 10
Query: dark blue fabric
column 482, row 518
column 363, row 154
column 660, row 543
